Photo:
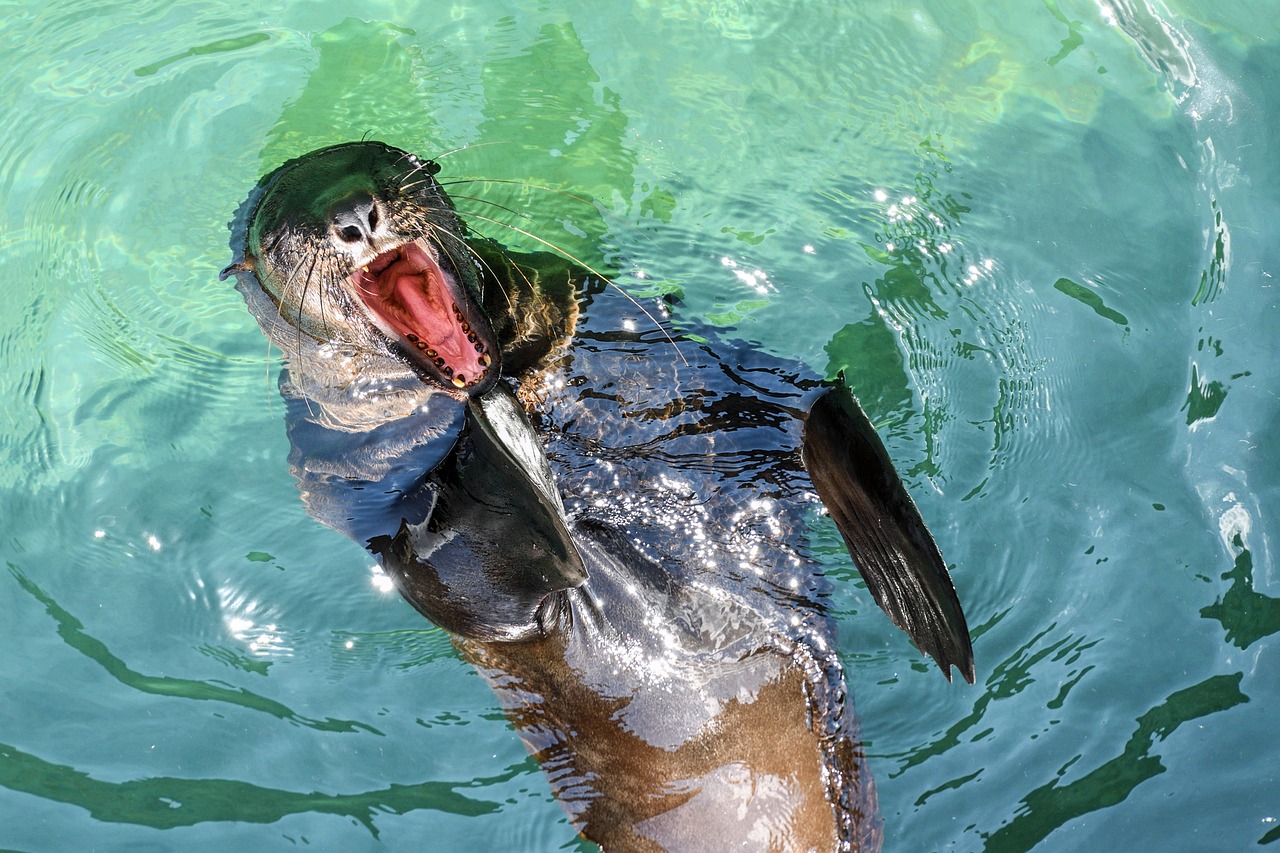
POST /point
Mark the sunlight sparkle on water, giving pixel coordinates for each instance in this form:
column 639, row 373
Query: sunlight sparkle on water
column 757, row 280
column 262, row 638
column 381, row 582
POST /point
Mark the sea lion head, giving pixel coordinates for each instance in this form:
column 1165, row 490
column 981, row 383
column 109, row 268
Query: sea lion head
column 359, row 245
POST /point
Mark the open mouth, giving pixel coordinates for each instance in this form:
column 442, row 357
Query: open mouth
column 431, row 316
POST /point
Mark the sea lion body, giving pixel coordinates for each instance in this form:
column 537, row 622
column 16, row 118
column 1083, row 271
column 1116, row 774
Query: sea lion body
column 626, row 567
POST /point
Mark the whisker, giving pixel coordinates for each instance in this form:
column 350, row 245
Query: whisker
column 327, row 272
column 403, row 180
column 590, row 269
column 302, row 371
column 492, row 272
column 608, row 214
column 501, row 207
column 524, row 184
column 473, row 145
column 288, row 285
column 266, row 373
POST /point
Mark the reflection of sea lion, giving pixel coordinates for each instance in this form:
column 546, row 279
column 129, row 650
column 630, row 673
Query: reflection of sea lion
column 654, row 634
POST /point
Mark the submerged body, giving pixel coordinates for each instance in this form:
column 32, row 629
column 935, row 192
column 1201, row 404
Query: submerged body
column 612, row 530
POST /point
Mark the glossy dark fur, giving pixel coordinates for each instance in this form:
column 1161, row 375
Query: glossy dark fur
column 613, row 532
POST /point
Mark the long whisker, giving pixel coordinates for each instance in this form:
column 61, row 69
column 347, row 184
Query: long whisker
column 266, row 374
column 302, row 370
column 421, row 223
column 479, row 258
column 553, row 190
column 524, row 184
column 473, row 145
column 284, row 289
column 290, row 284
column 590, row 269
column 403, row 180
column 501, row 207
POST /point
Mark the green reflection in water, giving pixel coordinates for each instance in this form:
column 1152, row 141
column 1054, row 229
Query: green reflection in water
column 219, row 46
column 1214, row 277
column 164, row 802
column 548, row 101
column 72, row 632
column 1050, row 806
column 1206, row 396
column 1204, row 399
column 954, row 784
column 1247, row 614
column 1080, row 293
column 233, row 658
column 1008, row 679
column 736, row 313
column 364, row 85
column 1073, row 39
column 867, row 353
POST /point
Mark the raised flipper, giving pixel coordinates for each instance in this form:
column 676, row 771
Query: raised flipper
column 883, row 530
column 493, row 546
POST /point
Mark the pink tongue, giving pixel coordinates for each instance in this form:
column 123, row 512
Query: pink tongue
column 421, row 289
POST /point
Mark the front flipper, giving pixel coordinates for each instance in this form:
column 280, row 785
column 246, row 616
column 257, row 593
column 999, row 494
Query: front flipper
column 494, row 547
column 883, row 530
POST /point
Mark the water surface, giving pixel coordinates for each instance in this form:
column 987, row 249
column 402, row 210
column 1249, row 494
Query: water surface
column 1039, row 238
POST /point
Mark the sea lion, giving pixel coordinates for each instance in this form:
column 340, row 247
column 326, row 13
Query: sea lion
column 611, row 531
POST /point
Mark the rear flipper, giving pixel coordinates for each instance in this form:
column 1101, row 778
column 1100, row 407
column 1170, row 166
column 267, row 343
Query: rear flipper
column 883, row 530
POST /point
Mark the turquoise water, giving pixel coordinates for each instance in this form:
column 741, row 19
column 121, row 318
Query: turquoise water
column 1040, row 237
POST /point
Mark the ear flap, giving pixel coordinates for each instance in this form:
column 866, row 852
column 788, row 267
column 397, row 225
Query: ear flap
column 883, row 530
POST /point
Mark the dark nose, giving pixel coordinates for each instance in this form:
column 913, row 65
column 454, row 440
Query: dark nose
column 355, row 218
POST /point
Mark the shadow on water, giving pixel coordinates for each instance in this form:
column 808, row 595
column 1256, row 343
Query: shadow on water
column 1247, row 614
column 72, row 632
column 349, row 92
column 1007, row 680
column 165, row 802
column 1050, row 806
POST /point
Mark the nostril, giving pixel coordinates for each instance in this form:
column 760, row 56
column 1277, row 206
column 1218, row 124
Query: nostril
column 355, row 218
